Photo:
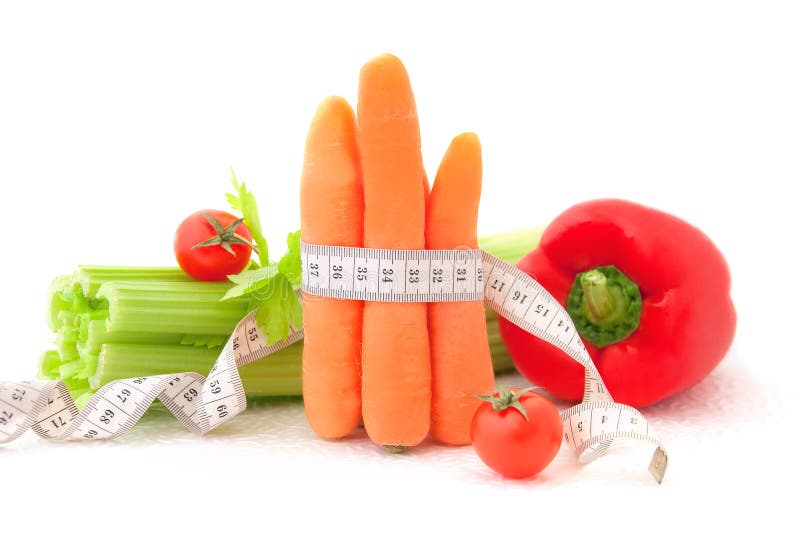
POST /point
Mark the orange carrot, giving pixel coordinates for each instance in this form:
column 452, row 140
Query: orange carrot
column 331, row 212
column 461, row 363
column 396, row 373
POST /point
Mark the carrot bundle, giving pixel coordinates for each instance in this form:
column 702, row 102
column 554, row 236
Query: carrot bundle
column 460, row 359
column 396, row 372
column 331, row 212
column 418, row 365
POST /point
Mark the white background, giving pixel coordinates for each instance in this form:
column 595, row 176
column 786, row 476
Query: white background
column 116, row 120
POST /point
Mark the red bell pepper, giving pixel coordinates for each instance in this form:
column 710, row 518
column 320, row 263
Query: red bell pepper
column 649, row 295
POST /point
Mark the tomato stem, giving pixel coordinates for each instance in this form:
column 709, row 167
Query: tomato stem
column 505, row 398
column 225, row 236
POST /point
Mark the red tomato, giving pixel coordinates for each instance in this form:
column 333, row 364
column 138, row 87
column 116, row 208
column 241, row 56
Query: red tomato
column 509, row 443
column 208, row 249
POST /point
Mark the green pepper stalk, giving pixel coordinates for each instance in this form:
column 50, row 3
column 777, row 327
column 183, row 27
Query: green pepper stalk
column 605, row 305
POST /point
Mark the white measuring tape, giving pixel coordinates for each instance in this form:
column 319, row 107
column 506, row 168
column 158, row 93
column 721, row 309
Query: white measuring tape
column 200, row 403
column 408, row 275
column 348, row 273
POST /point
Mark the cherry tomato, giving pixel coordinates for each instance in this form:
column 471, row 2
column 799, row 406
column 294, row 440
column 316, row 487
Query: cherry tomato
column 210, row 245
column 510, row 443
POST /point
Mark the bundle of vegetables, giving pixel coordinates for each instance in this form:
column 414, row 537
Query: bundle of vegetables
column 119, row 322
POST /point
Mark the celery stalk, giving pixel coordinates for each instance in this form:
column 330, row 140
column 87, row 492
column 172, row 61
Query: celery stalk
column 171, row 307
column 98, row 335
column 91, row 277
column 511, row 246
column 49, row 364
column 501, row 360
column 276, row 375
column 58, row 300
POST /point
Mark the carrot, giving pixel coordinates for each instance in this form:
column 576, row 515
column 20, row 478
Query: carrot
column 331, row 212
column 396, row 373
column 461, row 363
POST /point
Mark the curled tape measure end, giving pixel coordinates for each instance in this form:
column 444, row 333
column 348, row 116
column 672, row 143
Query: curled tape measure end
column 658, row 465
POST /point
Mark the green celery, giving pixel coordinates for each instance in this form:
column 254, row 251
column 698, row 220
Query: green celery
column 276, row 375
column 511, row 246
column 49, row 364
column 98, row 335
column 171, row 307
column 59, row 301
column 501, row 360
column 91, row 277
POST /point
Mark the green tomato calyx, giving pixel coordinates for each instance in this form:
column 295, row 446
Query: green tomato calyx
column 505, row 399
column 225, row 236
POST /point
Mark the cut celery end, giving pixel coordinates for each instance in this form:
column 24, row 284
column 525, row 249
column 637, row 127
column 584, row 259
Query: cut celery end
column 58, row 300
column 48, row 365
column 70, row 369
column 89, row 367
column 67, row 348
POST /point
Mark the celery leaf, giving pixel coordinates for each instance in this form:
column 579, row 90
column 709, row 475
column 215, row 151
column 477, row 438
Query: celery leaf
column 290, row 265
column 270, row 288
column 245, row 202
column 278, row 310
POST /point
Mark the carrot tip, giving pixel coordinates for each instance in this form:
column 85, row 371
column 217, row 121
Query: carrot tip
column 469, row 137
column 383, row 72
column 383, row 59
column 395, row 448
column 329, row 105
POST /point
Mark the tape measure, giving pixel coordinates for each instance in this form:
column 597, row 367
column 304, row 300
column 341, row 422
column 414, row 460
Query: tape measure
column 408, row 275
column 347, row 273
column 200, row 403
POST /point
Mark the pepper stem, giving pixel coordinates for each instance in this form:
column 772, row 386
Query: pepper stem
column 605, row 305
column 598, row 298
